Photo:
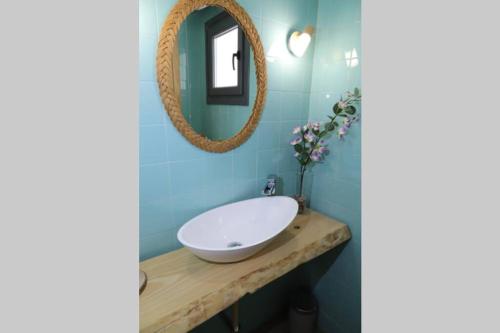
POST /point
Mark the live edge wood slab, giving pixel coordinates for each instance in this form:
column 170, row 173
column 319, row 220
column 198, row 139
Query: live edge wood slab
column 183, row 291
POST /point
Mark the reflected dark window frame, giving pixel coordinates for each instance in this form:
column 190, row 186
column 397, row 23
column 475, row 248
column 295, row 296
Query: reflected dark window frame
column 237, row 95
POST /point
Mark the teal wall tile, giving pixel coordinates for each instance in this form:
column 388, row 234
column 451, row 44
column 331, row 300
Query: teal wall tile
column 147, row 56
column 292, row 106
column 294, row 74
column 187, row 206
column 155, row 216
column 220, row 171
column 274, row 75
column 153, row 146
column 267, row 163
column 269, row 135
column 158, row 243
column 154, row 183
column 272, row 109
column 324, row 320
column 245, row 189
column 288, row 182
column 245, row 166
column 147, row 18
column 336, row 189
column 253, row 7
column 150, row 106
column 220, row 196
column 189, row 176
column 273, row 38
column 278, row 10
column 321, row 104
column 162, row 8
column 341, row 305
column 287, row 161
column 345, row 194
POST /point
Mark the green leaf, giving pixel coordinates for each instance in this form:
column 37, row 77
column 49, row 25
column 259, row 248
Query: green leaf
column 356, row 91
column 336, row 108
column 336, row 124
column 350, row 110
column 329, row 127
column 298, row 148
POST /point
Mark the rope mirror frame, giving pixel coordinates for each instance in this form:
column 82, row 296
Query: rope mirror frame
column 167, row 45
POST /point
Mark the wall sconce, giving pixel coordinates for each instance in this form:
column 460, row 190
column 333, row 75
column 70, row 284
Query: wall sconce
column 299, row 41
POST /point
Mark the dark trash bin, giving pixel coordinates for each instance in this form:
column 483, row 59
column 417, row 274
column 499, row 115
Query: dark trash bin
column 303, row 312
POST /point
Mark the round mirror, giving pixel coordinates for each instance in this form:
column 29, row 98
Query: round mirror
column 211, row 73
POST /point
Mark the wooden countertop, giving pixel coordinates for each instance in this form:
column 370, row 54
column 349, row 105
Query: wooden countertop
column 183, row 291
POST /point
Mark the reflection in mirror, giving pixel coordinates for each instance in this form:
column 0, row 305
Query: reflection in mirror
column 216, row 73
column 225, row 73
column 226, row 55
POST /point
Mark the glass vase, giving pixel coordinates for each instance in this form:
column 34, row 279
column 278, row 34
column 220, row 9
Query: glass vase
column 303, row 179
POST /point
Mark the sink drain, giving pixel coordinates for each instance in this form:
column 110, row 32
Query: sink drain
column 234, row 244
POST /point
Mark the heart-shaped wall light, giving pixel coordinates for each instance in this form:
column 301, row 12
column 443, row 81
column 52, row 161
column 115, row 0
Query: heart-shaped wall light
column 299, row 41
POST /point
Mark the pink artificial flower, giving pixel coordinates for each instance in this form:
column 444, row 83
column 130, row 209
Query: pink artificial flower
column 347, row 123
column 296, row 130
column 296, row 140
column 342, row 105
column 342, row 132
column 315, row 155
column 309, row 137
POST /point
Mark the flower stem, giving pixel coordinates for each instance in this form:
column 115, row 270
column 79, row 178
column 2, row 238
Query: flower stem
column 301, row 181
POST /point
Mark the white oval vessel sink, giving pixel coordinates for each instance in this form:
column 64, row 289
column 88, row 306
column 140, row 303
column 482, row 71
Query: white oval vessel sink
column 236, row 231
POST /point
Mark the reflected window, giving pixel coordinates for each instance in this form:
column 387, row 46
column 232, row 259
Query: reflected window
column 226, row 61
column 225, row 68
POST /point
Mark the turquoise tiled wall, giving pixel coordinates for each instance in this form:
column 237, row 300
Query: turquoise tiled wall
column 179, row 181
column 336, row 187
